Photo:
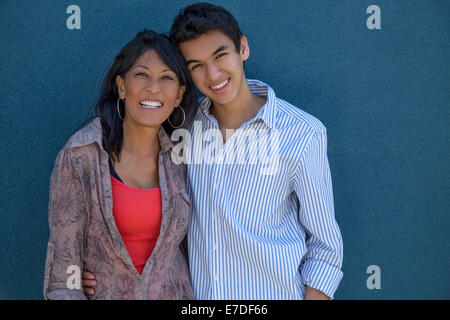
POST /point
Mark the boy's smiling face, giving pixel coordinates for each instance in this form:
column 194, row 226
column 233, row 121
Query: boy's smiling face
column 216, row 66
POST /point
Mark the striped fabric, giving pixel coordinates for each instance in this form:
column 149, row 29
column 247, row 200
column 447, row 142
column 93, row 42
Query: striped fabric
column 262, row 223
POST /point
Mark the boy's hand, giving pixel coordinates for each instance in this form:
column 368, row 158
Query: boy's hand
column 89, row 283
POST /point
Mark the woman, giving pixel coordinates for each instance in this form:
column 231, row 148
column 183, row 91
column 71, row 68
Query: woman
column 118, row 206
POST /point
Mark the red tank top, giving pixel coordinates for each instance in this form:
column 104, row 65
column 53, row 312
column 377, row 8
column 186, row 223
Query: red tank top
column 137, row 213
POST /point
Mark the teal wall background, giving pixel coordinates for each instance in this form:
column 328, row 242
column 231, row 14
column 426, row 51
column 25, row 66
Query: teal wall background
column 384, row 96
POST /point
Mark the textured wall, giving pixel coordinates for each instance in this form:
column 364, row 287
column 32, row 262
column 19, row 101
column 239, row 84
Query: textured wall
column 383, row 95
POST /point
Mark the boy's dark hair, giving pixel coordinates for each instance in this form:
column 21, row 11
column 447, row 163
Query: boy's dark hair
column 202, row 17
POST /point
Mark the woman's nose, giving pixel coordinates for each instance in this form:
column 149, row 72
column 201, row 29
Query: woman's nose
column 153, row 85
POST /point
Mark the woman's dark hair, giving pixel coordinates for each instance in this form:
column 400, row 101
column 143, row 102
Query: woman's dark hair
column 200, row 18
column 106, row 105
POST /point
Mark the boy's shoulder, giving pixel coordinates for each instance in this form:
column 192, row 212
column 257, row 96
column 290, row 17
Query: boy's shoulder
column 286, row 114
column 289, row 115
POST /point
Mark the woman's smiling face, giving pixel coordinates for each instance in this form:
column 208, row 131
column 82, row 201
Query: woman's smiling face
column 151, row 91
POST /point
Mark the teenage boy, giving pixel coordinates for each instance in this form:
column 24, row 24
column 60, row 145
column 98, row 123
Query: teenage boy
column 254, row 233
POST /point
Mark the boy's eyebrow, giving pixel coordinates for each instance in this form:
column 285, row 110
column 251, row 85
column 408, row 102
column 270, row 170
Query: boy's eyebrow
column 221, row 48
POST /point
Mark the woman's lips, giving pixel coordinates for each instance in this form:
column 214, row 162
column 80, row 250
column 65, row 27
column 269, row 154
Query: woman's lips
column 151, row 104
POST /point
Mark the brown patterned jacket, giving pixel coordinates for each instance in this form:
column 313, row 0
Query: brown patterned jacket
column 83, row 232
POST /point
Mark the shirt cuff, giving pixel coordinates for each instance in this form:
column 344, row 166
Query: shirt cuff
column 322, row 276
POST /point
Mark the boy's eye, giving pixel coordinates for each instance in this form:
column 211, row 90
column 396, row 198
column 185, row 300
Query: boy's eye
column 196, row 66
column 220, row 55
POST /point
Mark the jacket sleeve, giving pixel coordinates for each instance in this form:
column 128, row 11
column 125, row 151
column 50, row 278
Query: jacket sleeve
column 321, row 267
column 67, row 218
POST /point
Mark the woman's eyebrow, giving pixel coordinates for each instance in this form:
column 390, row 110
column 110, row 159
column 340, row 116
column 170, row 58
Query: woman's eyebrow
column 165, row 70
column 140, row 65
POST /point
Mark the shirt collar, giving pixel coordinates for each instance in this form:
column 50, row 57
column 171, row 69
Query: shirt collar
column 266, row 113
column 92, row 133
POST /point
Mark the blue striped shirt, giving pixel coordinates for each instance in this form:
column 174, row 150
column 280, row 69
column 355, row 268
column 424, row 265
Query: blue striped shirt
column 262, row 224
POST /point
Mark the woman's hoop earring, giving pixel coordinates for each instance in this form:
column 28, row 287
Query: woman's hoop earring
column 118, row 109
column 184, row 119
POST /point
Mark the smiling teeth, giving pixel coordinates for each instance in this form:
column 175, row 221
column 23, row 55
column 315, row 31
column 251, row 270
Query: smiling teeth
column 151, row 104
column 220, row 85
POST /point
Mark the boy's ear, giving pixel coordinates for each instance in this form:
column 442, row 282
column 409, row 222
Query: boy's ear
column 245, row 49
column 120, row 86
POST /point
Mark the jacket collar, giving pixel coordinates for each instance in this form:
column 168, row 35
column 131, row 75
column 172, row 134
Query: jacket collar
column 92, row 133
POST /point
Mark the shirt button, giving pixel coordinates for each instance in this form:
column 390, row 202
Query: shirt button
column 215, row 246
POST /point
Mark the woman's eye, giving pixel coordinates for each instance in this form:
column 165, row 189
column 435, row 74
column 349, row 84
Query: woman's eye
column 167, row 78
column 196, row 66
column 141, row 74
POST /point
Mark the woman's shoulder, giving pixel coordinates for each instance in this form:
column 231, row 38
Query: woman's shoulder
column 90, row 133
column 87, row 140
column 81, row 151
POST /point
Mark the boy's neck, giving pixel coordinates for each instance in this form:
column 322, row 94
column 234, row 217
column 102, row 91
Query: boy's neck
column 244, row 107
